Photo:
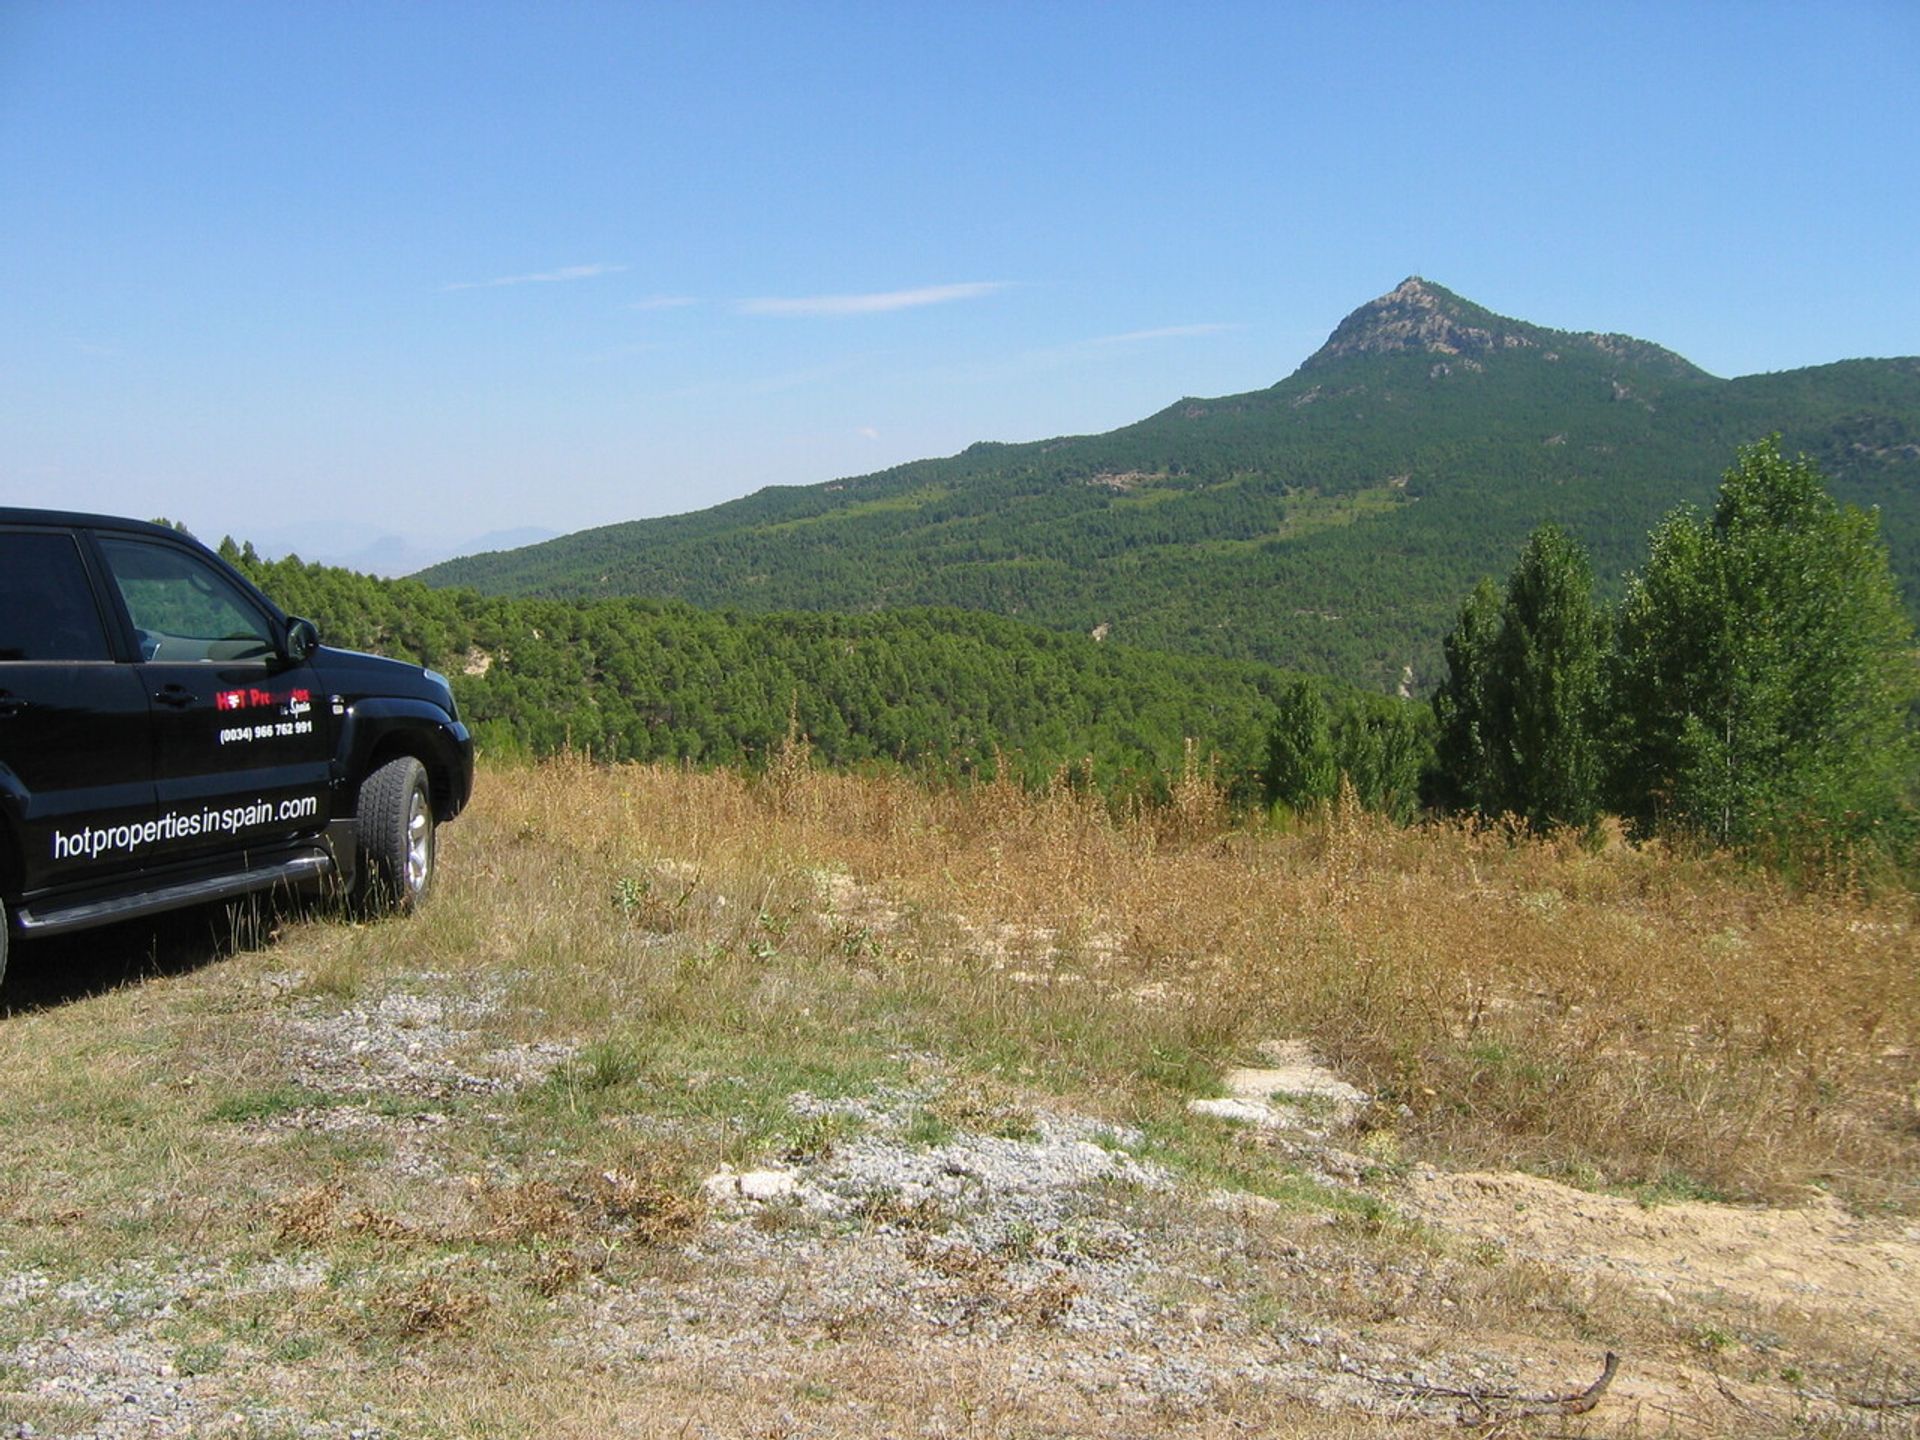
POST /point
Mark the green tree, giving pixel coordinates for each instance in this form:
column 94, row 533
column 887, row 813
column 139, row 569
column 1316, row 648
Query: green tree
column 1301, row 769
column 1381, row 747
column 1545, row 685
column 1764, row 668
column 1519, row 713
column 1463, row 776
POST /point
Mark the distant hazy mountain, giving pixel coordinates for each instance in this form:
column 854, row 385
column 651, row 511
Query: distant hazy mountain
column 387, row 555
column 1331, row 522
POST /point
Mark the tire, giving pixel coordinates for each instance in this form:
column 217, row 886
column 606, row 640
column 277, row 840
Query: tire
column 395, row 823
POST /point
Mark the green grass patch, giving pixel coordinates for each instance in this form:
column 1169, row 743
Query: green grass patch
column 204, row 1359
column 904, row 503
column 1309, row 513
column 928, row 1129
column 253, row 1106
column 808, row 1139
column 1674, row 1186
column 732, row 1086
column 47, row 1417
column 1219, row 1153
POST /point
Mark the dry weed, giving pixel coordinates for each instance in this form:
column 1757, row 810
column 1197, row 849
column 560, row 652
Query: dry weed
column 1613, row 1013
column 888, row 1210
column 525, row 1213
column 984, row 1106
column 432, row 1305
column 649, row 1203
column 981, row 1282
column 378, row 1225
column 955, row 1262
column 555, row 1271
column 1045, row 1303
column 306, row 1219
column 1197, row 808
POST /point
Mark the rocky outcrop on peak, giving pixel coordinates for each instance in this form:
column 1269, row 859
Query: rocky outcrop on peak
column 1420, row 318
column 1645, row 355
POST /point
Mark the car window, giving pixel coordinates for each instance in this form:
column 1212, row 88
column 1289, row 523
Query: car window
column 47, row 610
column 182, row 607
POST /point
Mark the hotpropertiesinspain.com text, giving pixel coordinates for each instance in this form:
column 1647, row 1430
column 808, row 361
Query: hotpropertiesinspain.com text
column 92, row 842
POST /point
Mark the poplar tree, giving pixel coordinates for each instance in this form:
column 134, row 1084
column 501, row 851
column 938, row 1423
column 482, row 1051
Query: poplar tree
column 1765, row 664
column 1378, row 745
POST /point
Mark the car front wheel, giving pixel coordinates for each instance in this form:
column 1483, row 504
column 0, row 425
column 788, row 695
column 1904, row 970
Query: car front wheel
column 395, row 823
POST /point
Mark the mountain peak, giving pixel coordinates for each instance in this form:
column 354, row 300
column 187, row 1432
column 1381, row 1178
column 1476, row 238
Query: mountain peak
column 1419, row 317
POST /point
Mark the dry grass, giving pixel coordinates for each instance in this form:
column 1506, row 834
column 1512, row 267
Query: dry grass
column 1615, row 1015
column 705, row 947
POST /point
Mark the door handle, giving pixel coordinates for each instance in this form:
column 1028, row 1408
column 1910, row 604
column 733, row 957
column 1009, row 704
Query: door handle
column 177, row 696
column 10, row 705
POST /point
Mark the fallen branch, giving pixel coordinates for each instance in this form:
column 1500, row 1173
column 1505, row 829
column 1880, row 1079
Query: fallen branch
column 1865, row 1402
column 1506, row 1404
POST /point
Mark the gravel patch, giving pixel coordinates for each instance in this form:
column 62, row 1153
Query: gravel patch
column 110, row 1364
column 421, row 1042
column 1055, row 1261
column 1050, row 1251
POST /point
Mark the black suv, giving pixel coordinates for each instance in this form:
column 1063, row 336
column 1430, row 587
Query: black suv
column 169, row 737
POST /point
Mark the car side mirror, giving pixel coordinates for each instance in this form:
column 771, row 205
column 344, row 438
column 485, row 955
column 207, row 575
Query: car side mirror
column 303, row 638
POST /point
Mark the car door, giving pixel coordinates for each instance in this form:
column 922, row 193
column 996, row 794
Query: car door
column 241, row 735
column 76, row 773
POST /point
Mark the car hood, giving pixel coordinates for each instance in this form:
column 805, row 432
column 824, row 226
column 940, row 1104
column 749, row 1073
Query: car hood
column 353, row 673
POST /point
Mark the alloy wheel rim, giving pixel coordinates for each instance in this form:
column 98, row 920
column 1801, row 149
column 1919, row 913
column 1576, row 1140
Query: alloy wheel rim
column 419, row 844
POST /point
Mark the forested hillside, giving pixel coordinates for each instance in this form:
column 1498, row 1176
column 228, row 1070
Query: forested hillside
column 1329, row 523
column 939, row 691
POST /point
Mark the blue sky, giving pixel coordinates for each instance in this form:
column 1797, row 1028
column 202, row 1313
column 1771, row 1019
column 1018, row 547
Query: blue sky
column 433, row 269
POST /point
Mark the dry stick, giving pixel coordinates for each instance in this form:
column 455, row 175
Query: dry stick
column 1726, row 1390
column 1859, row 1402
column 1578, row 1403
column 1863, row 1402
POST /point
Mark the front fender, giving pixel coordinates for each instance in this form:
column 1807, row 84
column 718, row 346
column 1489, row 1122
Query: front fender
column 372, row 731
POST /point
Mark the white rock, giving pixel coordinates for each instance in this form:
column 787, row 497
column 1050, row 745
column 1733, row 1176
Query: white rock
column 767, row 1184
column 1249, row 1112
column 1295, row 1072
column 730, row 1184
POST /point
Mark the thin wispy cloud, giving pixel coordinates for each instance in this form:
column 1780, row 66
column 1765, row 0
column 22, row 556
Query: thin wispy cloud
column 1165, row 332
column 540, row 277
column 874, row 303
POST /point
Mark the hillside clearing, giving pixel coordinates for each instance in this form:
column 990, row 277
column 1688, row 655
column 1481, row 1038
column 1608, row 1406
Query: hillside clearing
column 824, row 1106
